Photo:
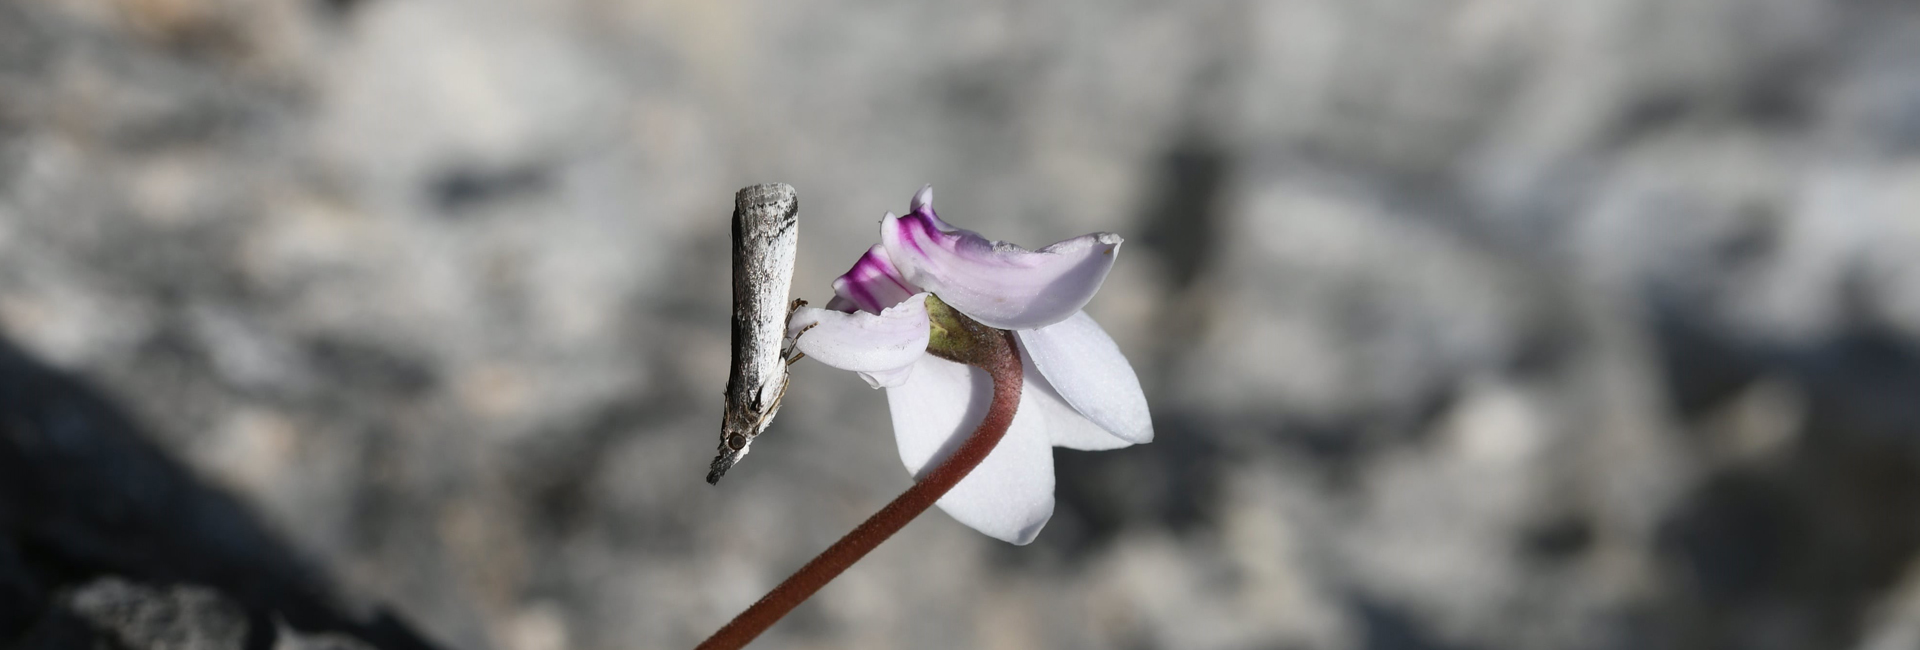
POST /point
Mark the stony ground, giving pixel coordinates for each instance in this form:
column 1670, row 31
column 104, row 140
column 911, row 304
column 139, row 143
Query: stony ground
column 1466, row 323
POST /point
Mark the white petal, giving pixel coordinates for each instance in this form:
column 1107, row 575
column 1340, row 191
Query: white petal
column 860, row 341
column 921, row 199
column 1066, row 427
column 997, row 283
column 1010, row 495
column 1086, row 368
column 887, row 378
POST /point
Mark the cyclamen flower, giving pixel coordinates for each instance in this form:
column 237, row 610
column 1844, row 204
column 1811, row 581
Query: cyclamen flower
column 1077, row 390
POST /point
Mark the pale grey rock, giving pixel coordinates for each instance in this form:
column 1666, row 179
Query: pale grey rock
column 1489, row 324
column 177, row 618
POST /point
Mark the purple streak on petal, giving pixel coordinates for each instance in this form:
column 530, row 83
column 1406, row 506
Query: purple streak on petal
column 861, row 296
column 873, row 284
column 915, row 222
column 996, row 283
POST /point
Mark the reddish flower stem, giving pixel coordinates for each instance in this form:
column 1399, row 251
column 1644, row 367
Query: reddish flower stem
column 1001, row 363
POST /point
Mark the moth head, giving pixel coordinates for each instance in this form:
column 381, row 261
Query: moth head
column 734, row 443
column 737, row 431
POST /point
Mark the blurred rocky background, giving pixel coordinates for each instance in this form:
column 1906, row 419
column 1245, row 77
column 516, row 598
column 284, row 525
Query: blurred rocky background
column 1467, row 324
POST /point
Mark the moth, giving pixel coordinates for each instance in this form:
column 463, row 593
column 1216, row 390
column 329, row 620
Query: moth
column 765, row 237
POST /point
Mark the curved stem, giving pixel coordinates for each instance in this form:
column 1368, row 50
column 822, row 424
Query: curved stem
column 1001, row 363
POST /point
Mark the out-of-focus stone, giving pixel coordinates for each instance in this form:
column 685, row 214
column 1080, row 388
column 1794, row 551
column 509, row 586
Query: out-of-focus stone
column 172, row 618
column 1488, row 323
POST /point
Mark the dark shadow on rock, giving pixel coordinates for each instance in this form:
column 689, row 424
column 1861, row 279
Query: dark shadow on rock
column 83, row 495
column 1798, row 546
column 1171, row 482
column 1181, row 220
column 1389, row 628
column 1701, row 369
column 457, row 190
column 115, row 613
column 341, row 9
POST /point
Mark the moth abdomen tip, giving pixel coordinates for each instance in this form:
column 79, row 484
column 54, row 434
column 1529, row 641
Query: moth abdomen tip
column 764, row 194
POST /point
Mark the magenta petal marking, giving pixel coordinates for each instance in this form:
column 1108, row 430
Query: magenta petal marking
column 873, row 284
column 996, row 283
